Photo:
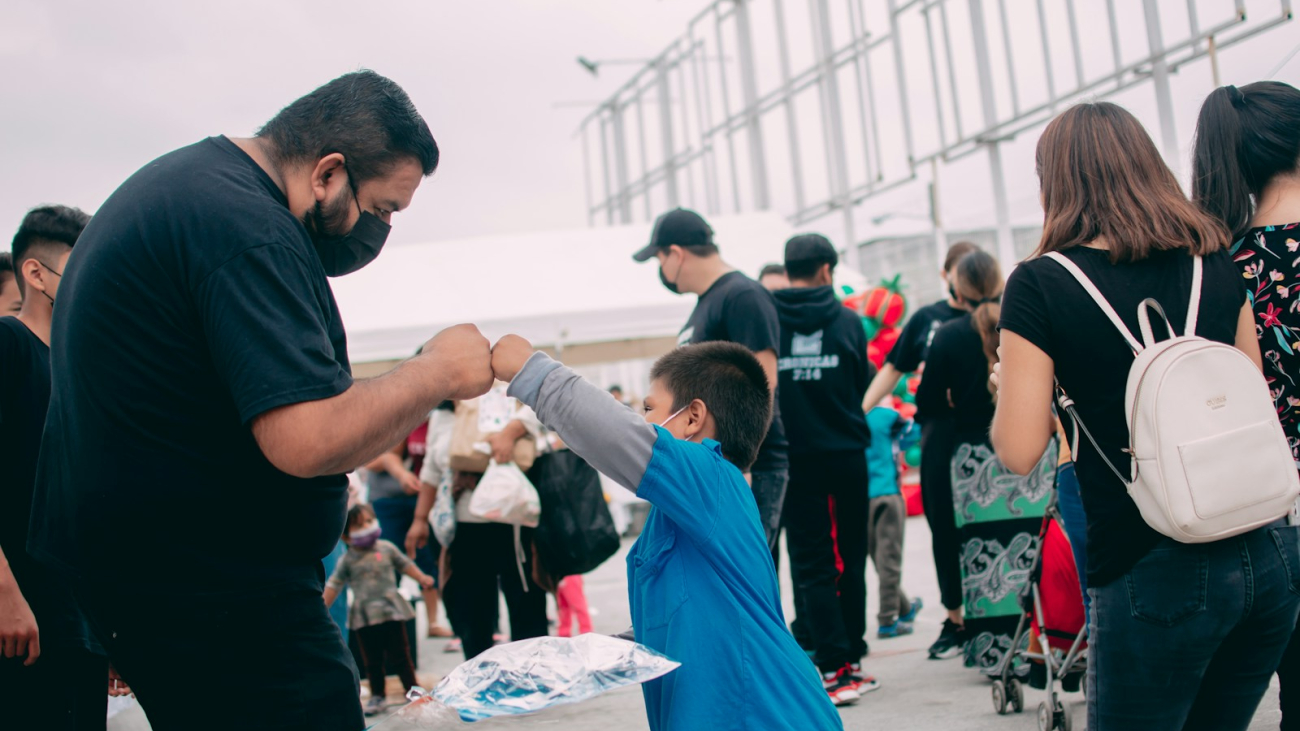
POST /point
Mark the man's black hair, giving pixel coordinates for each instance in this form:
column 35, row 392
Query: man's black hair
column 363, row 116
column 731, row 383
column 6, row 264
column 45, row 230
column 805, row 269
column 772, row 269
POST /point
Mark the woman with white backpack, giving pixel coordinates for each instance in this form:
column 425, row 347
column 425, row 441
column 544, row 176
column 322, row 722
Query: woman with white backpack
column 1247, row 174
column 1132, row 318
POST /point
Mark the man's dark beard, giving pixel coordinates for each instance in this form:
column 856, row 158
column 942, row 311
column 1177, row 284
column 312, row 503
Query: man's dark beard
column 330, row 220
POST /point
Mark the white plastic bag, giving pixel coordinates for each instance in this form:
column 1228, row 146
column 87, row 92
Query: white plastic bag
column 532, row 675
column 504, row 495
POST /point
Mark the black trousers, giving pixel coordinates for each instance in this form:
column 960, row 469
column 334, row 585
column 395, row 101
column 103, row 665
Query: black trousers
column 278, row 645
column 64, row 690
column 937, row 444
column 386, row 645
column 830, row 489
column 482, row 558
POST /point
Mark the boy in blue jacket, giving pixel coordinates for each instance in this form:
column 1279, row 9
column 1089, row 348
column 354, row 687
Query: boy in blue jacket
column 701, row 583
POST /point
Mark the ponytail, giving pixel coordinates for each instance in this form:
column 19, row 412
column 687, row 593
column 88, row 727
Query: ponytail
column 1244, row 138
column 979, row 282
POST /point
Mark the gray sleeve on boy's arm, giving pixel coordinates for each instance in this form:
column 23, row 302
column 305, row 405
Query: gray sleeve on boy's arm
column 610, row 436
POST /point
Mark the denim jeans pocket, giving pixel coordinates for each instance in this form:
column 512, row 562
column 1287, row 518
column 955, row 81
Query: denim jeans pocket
column 1288, row 545
column 1169, row 585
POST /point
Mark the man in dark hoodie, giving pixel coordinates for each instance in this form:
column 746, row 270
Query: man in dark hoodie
column 823, row 372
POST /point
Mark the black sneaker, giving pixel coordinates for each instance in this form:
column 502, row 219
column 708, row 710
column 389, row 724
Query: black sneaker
column 950, row 643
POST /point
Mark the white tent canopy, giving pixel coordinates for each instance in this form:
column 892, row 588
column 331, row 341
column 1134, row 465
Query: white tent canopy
column 554, row 288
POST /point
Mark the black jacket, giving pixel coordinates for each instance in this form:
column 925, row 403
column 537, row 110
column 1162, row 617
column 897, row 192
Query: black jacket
column 823, row 372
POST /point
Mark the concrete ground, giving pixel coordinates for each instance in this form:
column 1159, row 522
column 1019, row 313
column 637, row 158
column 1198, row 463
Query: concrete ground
column 916, row 694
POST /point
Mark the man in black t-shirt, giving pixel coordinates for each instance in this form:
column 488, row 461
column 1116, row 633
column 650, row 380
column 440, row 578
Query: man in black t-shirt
column 907, row 356
column 204, row 412
column 52, row 669
column 734, row 308
column 823, row 373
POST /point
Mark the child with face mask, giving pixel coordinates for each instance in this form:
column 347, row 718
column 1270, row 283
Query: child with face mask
column 701, row 582
column 378, row 613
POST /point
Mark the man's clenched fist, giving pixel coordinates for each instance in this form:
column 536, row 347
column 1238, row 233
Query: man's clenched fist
column 461, row 356
column 509, row 357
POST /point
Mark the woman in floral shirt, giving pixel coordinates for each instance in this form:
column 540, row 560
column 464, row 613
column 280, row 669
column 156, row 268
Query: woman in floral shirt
column 1247, row 174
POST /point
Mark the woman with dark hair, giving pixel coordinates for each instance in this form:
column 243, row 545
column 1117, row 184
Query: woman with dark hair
column 997, row 514
column 1247, row 174
column 1183, row 636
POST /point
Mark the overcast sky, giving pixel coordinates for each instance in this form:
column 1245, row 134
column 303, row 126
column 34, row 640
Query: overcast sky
column 91, row 91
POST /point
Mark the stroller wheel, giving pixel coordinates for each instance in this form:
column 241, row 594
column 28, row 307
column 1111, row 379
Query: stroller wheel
column 1064, row 719
column 1016, row 696
column 1045, row 720
column 1000, row 697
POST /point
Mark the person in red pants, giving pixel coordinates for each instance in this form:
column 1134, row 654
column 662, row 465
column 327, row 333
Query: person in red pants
column 572, row 603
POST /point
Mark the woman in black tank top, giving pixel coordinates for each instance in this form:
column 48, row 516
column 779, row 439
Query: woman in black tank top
column 1182, row 636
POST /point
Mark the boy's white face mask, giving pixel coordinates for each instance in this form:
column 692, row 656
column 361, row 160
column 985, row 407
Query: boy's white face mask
column 676, row 413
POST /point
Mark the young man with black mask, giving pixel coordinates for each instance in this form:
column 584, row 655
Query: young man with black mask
column 823, row 373
column 908, row 355
column 734, row 308
column 199, row 357
column 51, row 667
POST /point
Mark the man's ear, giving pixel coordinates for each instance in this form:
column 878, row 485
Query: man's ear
column 327, row 175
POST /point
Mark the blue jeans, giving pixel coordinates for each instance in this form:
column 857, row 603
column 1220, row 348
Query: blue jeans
column 769, row 492
column 1190, row 637
column 1070, row 503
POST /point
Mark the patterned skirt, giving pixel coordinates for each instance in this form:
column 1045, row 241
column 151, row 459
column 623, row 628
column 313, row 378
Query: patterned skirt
column 999, row 514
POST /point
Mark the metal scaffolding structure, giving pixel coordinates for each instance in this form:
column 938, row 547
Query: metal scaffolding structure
column 704, row 123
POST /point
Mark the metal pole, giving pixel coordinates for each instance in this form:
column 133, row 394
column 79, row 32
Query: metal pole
column 666, row 133
column 936, row 215
column 642, row 148
column 1160, row 82
column 620, row 163
column 749, row 93
column 791, row 122
column 604, row 171
column 586, row 175
column 1001, row 207
column 1213, row 52
column 834, row 126
column 899, row 67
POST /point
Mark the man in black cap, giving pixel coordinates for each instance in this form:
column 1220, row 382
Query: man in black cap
column 734, row 308
column 824, row 372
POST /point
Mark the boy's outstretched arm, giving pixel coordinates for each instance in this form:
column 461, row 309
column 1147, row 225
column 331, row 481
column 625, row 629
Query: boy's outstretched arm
column 611, row 437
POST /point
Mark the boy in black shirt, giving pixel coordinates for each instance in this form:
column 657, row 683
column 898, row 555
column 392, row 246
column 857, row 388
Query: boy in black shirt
column 734, row 308
column 51, row 666
column 823, row 372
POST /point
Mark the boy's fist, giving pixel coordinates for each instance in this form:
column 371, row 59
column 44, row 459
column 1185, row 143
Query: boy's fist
column 509, row 357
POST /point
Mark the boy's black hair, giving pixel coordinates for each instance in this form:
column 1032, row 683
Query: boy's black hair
column 356, row 514
column 805, row 269
column 730, row 381
column 6, row 264
column 364, row 116
column 45, row 230
column 772, row 269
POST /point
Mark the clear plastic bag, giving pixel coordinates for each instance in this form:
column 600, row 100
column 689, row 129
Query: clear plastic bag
column 504, row 495
column 530, row 676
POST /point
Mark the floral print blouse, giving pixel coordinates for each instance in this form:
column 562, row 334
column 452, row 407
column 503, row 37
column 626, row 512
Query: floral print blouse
column 1269, row 258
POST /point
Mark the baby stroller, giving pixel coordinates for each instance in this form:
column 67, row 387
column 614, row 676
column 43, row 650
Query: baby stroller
column 1051, row 637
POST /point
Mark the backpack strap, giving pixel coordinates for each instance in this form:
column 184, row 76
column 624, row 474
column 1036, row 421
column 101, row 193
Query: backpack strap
column 1097, row 297
column 1194, row 306
column 1066, row 404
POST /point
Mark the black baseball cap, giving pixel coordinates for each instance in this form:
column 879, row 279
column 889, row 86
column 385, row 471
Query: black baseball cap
column 810, row 247
column 679, row 226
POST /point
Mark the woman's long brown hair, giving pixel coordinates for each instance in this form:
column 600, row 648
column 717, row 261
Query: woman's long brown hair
column 1102, row 178
column 979, row 284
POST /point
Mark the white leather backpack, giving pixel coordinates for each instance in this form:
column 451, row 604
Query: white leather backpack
column 1209, row 459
